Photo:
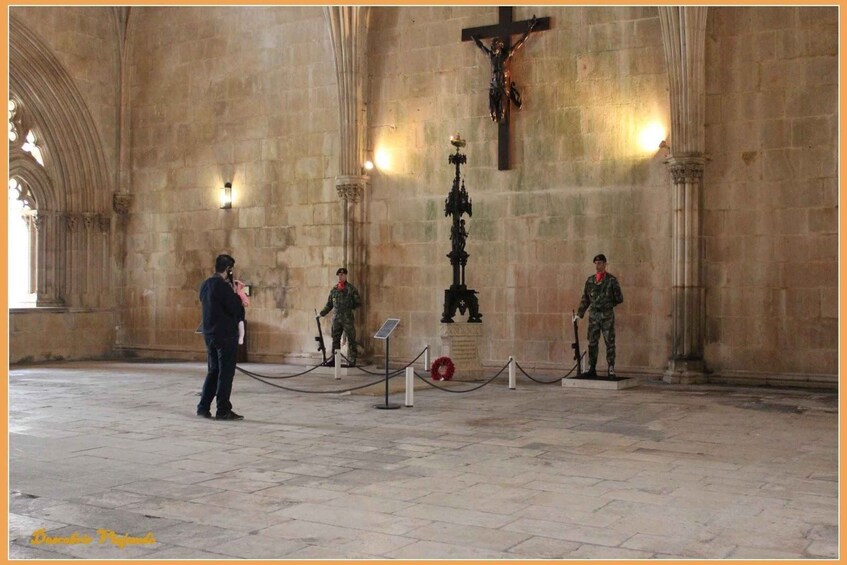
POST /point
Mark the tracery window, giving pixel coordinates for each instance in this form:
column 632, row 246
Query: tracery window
column 30, row 141
column 22, row 244
column 31, row 147
column 13, row 130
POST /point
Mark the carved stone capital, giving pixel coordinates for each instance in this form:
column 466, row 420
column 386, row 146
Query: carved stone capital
column 351, row 187
column 349, row 192
column 686, row 170
column 88, row 221
column 121, row 202
column 104, row 222
column 72, row 221
column 39, row 221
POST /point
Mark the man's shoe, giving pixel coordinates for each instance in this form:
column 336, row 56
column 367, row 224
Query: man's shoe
column 612, row 373
column 229, row 416
column 203, row 414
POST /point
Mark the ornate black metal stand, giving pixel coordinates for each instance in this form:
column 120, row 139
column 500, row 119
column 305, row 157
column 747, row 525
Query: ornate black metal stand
column 459, row 296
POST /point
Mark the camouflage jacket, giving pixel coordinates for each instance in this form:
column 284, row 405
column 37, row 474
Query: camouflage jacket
column 344, row 301
column 601, row 297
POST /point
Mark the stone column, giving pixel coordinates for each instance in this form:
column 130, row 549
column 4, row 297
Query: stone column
column 121, row 204
column 684, row 39
column 348, row 31
column 686, row 364
column 50, row 243
column 73, row 258
column 350, row 190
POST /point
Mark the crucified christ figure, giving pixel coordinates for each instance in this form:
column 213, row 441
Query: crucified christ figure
column 502, row 89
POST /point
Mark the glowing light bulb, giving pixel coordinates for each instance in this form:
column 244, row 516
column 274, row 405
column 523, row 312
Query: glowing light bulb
column 651, row 136
column 382, row 159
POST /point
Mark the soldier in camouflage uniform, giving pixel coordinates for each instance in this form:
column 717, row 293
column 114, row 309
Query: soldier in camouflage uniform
column 344, row 298
column 602, row 292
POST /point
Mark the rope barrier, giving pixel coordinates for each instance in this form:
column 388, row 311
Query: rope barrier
column 255, row 375
column 397, row 372
column 557, row 380
column 445, row 389
column 252, row 374
column 351, row 389
column 261, row 378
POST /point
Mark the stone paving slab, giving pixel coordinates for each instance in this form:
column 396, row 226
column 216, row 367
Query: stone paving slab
column 654, row 472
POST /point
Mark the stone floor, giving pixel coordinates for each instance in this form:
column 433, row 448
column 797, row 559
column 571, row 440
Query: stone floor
column 656, row 471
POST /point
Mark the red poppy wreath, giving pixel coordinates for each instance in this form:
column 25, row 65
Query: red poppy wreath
column 442, row 369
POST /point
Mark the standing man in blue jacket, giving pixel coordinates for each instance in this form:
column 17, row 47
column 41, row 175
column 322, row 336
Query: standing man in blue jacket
column 222, row 310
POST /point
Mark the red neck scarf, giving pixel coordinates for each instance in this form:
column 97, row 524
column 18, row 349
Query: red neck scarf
column 341, row 285
column 598, row 277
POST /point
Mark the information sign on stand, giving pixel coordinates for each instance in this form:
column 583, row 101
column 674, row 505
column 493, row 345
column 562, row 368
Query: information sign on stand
column 385, row 333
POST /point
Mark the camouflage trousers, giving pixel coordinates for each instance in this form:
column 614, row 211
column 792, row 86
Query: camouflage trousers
column 344, row 325
column 601, row 322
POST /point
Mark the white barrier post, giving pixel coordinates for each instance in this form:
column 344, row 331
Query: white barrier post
column 337, row 365
column 511, row 373
column 426, row 359
column 410, row 387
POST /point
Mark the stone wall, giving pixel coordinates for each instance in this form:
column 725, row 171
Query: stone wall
column 245, row 95
column 579, row 183
column 54, row 334
column 771, row 192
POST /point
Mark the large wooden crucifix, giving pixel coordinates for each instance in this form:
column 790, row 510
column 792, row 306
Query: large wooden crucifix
column 502, row 90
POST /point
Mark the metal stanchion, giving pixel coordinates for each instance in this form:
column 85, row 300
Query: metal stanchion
column 337, row 360
column 511, row 373
column 410, row 387
column 385, row 333
column 426, row 359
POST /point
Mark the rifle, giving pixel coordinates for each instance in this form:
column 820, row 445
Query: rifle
column 320, row 337
column 575, row 345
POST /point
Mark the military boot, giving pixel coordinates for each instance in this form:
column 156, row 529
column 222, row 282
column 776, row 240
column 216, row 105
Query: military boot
column 591, row 373
column 612, row 373
column 330, row 362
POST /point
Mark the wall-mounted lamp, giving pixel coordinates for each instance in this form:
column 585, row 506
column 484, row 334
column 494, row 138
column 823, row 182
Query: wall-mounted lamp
column 226, row 196
column 368, row 166
column 648, row 137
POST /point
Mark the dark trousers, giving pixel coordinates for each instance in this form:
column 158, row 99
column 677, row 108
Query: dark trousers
column 344, row 325
column 221, row 356
column 601, row 323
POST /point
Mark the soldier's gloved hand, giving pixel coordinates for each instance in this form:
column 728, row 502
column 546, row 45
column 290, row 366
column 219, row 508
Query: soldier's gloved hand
column 575, row 318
